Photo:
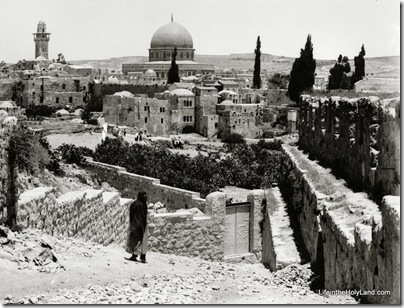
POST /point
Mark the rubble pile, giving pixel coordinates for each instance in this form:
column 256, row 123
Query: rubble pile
column 28, row 251
column 294, row 274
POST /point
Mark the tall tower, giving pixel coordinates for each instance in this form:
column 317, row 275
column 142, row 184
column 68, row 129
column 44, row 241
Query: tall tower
column 41, row 39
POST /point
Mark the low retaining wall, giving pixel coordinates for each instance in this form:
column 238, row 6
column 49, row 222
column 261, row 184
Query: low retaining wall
column 103, row 217
column 129, row 184
column 358, row 243
column 279, row 247
column 183, row 234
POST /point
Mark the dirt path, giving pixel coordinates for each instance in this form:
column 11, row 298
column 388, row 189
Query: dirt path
column 97, row 274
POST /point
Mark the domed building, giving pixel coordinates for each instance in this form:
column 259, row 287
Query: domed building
column 166, row 38
column 162, row 45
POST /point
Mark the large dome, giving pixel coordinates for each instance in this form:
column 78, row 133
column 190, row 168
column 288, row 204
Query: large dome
column 172, row 35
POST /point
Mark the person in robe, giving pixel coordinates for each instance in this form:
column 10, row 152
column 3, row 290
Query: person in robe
column 138, row 234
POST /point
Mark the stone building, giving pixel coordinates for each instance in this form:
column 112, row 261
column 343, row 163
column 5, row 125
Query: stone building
column 206, row 119
column 229, row 85
column 162, row 46
column 41, row 38
column 54, row 91
column 173, row 113
column 239, row 118
column 146, row 114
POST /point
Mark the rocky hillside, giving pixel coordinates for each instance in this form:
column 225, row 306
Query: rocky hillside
column 42, row 269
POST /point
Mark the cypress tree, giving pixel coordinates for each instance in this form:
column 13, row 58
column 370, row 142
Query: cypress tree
column 338, row 78
column 173, row 75
column 257, row 66
column 359, row 66
column 302, row 74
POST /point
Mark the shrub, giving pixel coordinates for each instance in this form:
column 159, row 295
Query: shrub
column 34, row 111
column 27, row 151
column 234, row 138
column 53, row 164
column 248, row 166
column 92, row 121
column 73, row 154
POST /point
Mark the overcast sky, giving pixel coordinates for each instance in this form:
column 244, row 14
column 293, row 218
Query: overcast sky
column 101, row 29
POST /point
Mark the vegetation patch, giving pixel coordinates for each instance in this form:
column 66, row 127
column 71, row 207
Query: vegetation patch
column 252, row 166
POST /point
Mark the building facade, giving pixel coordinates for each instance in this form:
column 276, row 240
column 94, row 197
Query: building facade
column 172, row 113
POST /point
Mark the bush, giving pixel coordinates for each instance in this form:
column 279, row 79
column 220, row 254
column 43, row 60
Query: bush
column 234, row 138
column 39, row 111
column 94, row 105
column 53, row 164
column 73, row 154
column 26, row 150
column 249, row 166
column 92, row 121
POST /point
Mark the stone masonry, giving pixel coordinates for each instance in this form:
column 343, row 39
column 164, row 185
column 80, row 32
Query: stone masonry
column 358, row 138
column 357, row 243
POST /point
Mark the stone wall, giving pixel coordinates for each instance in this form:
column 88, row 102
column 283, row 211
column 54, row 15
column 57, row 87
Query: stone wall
column 143, row 113
column 56, row 91
column 279, row 248
column 130, row 184
column 347, row 236
column 103, row 217
column 183, row 234
column 102, row 90
column 357, row 138
column 6, row 89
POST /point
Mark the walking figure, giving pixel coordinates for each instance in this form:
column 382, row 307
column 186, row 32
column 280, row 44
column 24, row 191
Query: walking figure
column 138, row 233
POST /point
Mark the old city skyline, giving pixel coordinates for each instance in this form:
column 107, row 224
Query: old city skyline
column 122, row 28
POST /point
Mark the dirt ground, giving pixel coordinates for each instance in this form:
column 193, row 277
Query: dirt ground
column 88, row 273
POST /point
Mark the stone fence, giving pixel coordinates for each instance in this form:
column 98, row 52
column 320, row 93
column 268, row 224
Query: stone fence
column 129, row 184
column 353, row 243
column 358, row 138
column 103, row 217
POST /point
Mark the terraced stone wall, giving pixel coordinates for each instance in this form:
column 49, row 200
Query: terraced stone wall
column 358, row 138
column 130, row 184
column 345, row 232
column 103, row 217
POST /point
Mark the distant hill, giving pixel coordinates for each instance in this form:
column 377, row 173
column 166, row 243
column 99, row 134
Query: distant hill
column 381, row 67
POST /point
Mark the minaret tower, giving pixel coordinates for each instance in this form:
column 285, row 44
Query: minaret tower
column 41, row 39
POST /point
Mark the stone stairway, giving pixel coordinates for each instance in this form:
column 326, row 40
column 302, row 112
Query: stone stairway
column 91, row 214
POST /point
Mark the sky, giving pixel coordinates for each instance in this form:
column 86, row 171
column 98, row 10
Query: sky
column 103, row 29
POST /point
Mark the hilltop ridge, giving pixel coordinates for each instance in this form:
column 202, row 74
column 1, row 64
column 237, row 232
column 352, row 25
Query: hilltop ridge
column 382, row 67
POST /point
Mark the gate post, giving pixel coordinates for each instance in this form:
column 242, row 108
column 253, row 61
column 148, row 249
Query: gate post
column 256, row 199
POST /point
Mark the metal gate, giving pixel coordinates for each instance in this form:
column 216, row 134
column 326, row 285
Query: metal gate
column 237, row 228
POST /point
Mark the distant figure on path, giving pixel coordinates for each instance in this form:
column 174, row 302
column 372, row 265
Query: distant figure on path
column 138, row 234
column 104, row 131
